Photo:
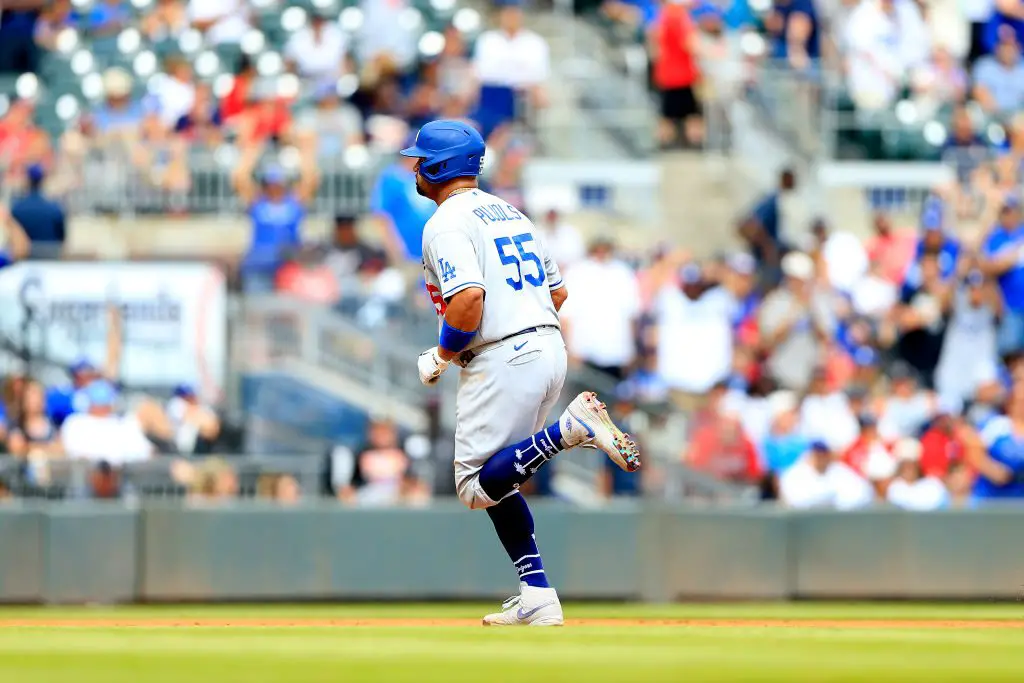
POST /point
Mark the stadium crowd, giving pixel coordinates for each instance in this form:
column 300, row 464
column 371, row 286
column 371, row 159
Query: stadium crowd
column 824, row 369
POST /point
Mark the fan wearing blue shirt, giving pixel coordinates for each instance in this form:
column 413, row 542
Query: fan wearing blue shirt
column 936, row 241
column 1001, row 475
column 400, row 211
column 1003, row 258
column 793, row 32
column 276, row 211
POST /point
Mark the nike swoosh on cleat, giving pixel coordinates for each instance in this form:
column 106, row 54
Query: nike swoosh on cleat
column 590, row 431
column 516, row 348
column 529, row 613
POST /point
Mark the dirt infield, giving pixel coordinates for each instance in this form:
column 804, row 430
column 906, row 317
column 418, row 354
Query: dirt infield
column 105, row 622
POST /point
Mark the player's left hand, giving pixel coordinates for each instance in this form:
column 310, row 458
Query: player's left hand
column 431, row 366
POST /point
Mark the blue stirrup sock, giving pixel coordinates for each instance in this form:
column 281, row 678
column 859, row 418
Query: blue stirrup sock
column 513, row 523
column 513, row 465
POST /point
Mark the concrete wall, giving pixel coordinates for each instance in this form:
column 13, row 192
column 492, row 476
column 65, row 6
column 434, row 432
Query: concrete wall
column 84, row 552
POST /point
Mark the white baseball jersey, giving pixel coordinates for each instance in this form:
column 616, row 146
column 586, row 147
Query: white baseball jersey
column 475, row 239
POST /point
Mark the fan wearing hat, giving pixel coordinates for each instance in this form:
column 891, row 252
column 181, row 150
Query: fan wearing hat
column 820, row 480
column 317, row 50
column 100, row 434
column 794, row 321
column 120, row 114
column 277, row 209
column 911, row 489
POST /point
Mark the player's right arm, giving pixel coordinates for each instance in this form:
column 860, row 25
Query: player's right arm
column 451, row 257
column 558, row 297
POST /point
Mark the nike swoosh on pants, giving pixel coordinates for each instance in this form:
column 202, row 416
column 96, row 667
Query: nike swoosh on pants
column 516, row 348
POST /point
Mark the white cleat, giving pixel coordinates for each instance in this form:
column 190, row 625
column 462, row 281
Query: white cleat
column 586, row 423
column 532, row 607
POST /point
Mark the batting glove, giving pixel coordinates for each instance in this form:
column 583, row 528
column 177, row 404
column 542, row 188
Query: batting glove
column 431, row 366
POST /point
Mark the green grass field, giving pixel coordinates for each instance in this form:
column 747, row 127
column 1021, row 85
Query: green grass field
column 737, row 642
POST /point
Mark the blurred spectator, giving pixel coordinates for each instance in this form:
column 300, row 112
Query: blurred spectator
column 14, row 244
column 333, row 124
column 174, row 92
column 922, row 315
column 380, row 474
column 676, row 74
column 212, row 480
column 196, row 426
column 104, row 481
column 41, row 218
column 280, row 488
column 221, row 21
column 349, row 254
column 307, row 276
column 167, row 19
column 911, row 489
column 942, row 444
column 264, row 116
column 873, row 295
column 399, row 210
column 844, row 258
column 34, row 435
column 18, row 52
column 1001, row 468
column 785, row 443
column 970, row 353
column 563, row 240
column 385, row 40
column 22, row 142
column 940, row 82
column 793, row 33
column 762, row 230
column 511, row 62
column 1003, row 258
column 906, row 408
column 120, row 115
column 718, row 444
column 887, row 41
column 704, row 319
column 201, row 127
column 869, row 454
column 599, row 319
column 892, row 249
column 999, row 78
column 277, row 212
column 100, row 434
column 317, row 51
column 818, row 480
column 242, row 82
column 826, row 414
column 54, row 18
column 106, row 17
column 793, row 321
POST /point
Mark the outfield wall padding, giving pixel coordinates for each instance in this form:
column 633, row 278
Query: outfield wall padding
column 96, row 552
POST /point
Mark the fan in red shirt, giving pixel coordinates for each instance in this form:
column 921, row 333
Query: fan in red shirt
column 857, row 454
column 673, row 45
column 942, row 444
column 719, row 446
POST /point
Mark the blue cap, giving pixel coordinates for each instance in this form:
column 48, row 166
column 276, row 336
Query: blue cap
column 690, row 274
column 325, row 89
column 100, row 393
column 819, row 445
column 35, row 173
column 865, row 356
column 81, row 364
column 975, row 278
column 625, row 391
column 931, row 220
column 184, row 391
column 274, row 175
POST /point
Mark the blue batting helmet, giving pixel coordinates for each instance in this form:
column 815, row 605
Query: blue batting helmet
column 448, row 149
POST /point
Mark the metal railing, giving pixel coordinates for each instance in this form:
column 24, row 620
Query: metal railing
column 110, row 181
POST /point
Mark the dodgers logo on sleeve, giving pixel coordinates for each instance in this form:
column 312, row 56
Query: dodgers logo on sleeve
column 446, row 270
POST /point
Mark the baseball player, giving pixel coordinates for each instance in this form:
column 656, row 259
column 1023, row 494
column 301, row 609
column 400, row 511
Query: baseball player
column 497, row 292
